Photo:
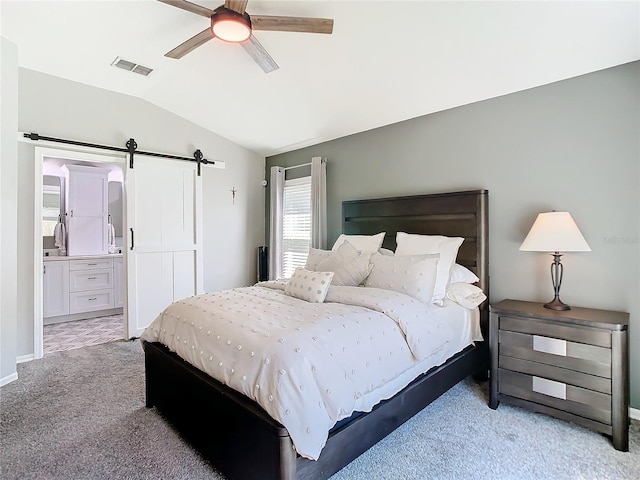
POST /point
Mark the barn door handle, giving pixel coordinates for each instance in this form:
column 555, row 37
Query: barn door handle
column 131, row 238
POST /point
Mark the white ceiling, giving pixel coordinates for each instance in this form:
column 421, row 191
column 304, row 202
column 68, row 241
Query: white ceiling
column 385, row 62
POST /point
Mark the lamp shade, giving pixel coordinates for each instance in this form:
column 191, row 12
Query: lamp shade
column 555, row 232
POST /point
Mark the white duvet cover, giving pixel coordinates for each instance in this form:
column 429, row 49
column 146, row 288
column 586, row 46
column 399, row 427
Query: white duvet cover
column 309, row 365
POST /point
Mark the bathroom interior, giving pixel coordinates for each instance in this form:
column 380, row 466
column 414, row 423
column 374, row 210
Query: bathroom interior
column 83, row 276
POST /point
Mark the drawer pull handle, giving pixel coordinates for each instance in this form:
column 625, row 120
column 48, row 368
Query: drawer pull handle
column 91, row 278
column 92, row 299
column 549, row 387
column 91, row 264
column 554, row 346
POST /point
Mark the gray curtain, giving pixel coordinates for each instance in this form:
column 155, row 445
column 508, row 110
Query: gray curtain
column 319, row 203
column 275, row 224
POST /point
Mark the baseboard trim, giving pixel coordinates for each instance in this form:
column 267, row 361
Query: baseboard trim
column 8, row 379
column 634, row 413
column 25, row 358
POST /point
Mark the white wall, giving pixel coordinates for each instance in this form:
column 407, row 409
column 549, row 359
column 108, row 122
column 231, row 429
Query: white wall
column 56, row 107
column 8, row 197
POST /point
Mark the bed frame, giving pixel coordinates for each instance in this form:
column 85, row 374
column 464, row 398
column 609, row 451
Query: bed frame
column 240, row 439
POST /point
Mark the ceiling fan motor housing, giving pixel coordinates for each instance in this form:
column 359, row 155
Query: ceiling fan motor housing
column 229, row 25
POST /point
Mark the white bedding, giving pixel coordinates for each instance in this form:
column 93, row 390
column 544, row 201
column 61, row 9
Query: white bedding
column 311, row 365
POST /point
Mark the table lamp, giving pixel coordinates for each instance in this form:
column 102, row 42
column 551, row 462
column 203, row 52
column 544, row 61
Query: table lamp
column 555, row 232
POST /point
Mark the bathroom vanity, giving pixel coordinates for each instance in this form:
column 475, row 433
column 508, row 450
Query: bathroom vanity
column 83, row 286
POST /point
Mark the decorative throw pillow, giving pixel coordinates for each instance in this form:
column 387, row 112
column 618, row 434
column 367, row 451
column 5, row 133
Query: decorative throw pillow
column 340, row 255
column 350, row 266
column 447, row 247
column 353, row 272
column 315, row 256
column 363, row 243
column 413, row 275
column 460, row 274
column 308, row 285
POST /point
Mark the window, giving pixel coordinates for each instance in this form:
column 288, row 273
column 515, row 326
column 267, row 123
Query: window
column 296, row 228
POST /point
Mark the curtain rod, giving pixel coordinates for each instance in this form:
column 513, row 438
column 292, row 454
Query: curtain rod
column 297, row 166
column 323, row 160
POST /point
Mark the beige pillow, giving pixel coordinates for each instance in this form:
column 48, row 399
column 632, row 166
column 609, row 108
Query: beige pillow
column 413, row 275
column 447, row 247
column 350, row 266
column 308, row 285
column 316, row 256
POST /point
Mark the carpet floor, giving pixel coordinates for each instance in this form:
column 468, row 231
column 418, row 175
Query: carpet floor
column 80, row 414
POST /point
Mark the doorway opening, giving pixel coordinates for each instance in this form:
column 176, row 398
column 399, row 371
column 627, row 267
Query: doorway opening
column 80, row 294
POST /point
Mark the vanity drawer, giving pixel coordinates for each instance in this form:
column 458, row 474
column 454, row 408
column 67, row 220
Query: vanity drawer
column 83, row 280
column 90, row 301
column 568, row 398
column 92, row 264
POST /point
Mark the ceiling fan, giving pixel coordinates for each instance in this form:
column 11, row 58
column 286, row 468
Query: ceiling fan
column 231, row 23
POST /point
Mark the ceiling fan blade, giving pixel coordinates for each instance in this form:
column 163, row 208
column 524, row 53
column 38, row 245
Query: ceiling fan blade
column 191, row 44
column 291, row 24
column 189, row 7
column 256, row 51
column 236, row 5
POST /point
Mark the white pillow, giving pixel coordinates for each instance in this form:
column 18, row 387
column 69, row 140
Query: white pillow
column 447, row 247
column 460, row 274
column 386, row 251
column 350, row 266
column 413, row 275
column 309, row 286
column 363, row 243
column 465, row 294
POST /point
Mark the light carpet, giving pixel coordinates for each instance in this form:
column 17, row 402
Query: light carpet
column 80, row 414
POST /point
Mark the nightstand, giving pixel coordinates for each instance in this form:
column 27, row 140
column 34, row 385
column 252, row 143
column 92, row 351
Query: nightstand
column 570, row 364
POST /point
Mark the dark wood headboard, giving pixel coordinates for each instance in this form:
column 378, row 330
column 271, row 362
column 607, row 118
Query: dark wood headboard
column 455, row 214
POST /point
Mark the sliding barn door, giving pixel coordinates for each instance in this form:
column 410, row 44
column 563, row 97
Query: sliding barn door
column 164, row 220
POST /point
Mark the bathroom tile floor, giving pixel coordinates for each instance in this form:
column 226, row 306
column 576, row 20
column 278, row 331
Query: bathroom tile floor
column 81, row 333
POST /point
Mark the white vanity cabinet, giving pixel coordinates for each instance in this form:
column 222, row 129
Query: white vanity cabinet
column 76, row 288
column 87, row 205
column 55, row 289
column 90, row 285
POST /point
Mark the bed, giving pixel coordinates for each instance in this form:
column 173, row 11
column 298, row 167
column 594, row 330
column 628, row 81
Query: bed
column 243, row 441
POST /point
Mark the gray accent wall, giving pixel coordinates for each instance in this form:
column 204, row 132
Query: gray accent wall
column 573, row 145
column 61, row 108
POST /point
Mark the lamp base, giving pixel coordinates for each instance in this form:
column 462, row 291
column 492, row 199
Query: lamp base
column 557, row 304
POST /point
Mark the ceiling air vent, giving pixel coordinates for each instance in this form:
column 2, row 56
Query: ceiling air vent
column 131, row 67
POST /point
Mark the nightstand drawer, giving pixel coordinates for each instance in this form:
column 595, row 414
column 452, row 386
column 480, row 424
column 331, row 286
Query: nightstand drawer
column 590, row 336
column 552, row 351
column 579, row 401
column 592, row 382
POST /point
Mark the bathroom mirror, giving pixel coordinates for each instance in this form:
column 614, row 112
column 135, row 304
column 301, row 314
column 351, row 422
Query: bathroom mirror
column 52, row 206
column 51, row 198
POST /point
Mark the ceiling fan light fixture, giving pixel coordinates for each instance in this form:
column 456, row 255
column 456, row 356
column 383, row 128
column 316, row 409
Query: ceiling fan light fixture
column 230, row 26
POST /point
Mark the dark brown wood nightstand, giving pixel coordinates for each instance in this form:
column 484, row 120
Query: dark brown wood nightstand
column 573, row 365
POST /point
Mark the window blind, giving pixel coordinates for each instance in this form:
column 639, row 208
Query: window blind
column 296, row 231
